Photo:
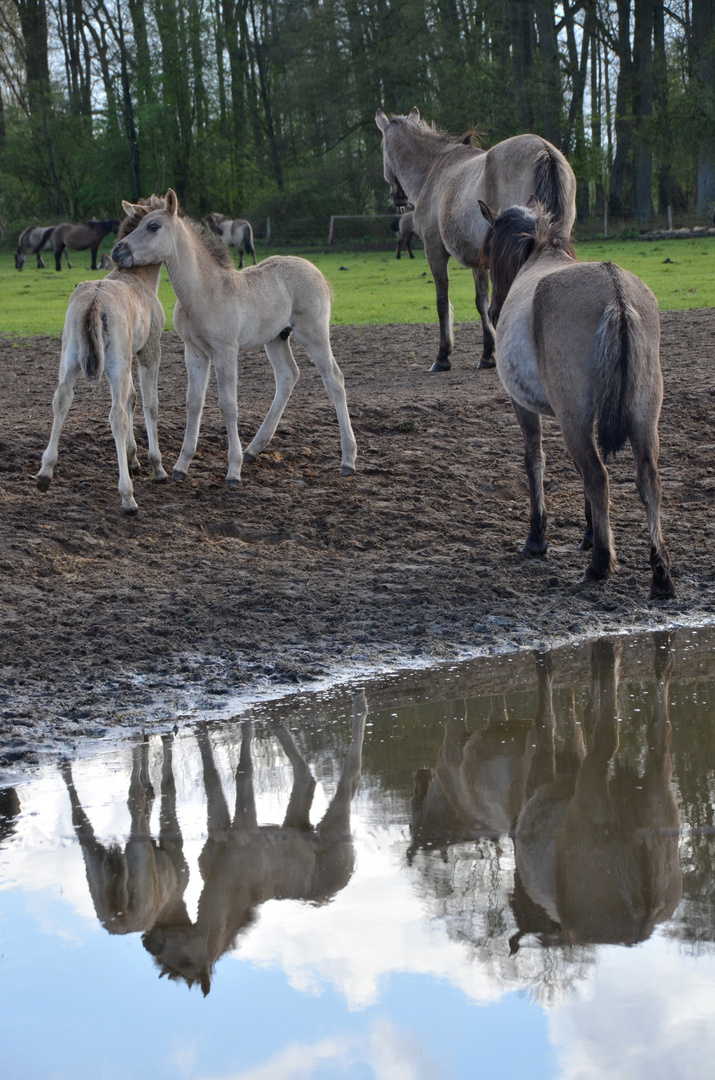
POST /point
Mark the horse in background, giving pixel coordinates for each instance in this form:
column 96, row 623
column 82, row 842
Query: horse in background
column 236, row 231
column 35, row 238
column 78, row 238
column 106, row 262
column 578, row 341
column 244, row 864
column 404, row 226
column 108, row 322
column 444, row 177
column 220, row 309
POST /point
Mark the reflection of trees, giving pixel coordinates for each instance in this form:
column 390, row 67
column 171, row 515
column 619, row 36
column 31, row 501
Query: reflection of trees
column 595, row 856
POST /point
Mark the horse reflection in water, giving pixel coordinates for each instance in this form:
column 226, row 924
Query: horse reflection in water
column 134, row 889
column 599, row 852
column 596, row 855
column 243, row 864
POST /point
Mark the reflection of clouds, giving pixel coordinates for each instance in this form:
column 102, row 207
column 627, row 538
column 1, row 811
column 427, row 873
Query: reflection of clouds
column 391, row 1053
column 647, row 1015
column 375, row 928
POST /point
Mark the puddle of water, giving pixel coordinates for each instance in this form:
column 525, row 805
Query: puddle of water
column 522, row 878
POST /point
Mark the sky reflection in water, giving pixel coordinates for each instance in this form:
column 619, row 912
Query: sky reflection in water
column 517, row 887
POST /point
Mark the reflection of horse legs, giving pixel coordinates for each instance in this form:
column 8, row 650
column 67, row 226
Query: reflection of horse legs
column 336, row 820
column 297, row 815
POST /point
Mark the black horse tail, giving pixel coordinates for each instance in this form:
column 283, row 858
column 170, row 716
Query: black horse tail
column 43, row 240
column 552, row 181
column 92, row 329
column 248, row 239
column 395, row 223
column 620, row 355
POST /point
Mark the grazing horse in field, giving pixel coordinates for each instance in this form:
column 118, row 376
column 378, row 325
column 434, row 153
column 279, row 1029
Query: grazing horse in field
column 244, row 864
column 108, row 323
column 236, row 231
column 79, row 238
column 597, row 849
column 578, row 341
column 35, row 238
column 220, row 310
column 444, row 178
column 404, row 226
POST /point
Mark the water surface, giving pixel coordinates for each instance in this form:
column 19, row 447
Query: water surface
column 501, row 868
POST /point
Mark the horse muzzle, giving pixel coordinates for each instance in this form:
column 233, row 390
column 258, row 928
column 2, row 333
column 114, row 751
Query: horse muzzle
column 122, row 255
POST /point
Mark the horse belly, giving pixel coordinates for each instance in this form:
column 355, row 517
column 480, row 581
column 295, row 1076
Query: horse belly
column 518, row 369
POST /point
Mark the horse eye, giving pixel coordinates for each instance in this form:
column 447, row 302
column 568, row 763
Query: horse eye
column 153, row 226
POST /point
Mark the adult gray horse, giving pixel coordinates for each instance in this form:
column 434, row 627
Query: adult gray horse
column 444, row 177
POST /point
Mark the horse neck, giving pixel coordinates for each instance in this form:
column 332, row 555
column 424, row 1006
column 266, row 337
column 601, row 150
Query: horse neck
column 417, row 152
column 189, row 263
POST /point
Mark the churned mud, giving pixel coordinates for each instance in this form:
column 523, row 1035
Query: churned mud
column 112, row 622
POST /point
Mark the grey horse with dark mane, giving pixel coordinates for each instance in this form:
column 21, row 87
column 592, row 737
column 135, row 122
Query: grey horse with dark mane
column 78, row 238
column 578, row 341
column 444, row 178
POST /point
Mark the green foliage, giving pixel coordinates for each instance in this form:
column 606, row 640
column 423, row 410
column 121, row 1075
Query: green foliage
column 374, row 287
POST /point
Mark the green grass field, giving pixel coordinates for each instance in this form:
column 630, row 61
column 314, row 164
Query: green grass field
column 373, row 287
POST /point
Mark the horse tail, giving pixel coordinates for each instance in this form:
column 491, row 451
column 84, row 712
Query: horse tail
column 621, row 350
column 248, row 239
column 92, row 329
column 552, row 182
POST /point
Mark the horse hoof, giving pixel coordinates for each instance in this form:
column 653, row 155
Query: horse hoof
column 662, row 589
column 233, row 484
column 486, row 362
column 134, row 468
column 440, row 365
column 177, row 474
column 249, row 457
column 130, row 511
column 347, row 470
column 159, row 478
column 534, row 549
column 43, row 482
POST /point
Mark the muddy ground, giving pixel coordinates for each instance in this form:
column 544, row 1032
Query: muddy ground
column 111, row 621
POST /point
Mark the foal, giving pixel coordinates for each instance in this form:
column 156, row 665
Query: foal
column 578, row 341
column 108, row 322
column 236, row 231
column 220, row 310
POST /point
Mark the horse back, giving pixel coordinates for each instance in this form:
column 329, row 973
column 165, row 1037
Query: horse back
column 527, row 165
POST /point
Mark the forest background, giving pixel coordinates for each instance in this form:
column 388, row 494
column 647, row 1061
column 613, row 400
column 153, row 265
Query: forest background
column 265, row 108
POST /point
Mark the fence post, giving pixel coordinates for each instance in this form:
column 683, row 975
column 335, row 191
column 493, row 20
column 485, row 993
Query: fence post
column 331, row 229
column 268, row 231
column 670, row 218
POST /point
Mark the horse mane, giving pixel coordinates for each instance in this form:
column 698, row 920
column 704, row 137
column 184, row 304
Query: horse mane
column 471, row 138
column 516, row 235
column 211, row 242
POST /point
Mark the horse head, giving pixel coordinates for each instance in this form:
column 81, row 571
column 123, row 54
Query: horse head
column 151, row 240
column 397, row 193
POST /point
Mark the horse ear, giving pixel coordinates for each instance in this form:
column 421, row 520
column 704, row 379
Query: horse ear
column 156, row 202
column 172, row 202
column 128, row 208
column 487, row 213
column 414, row 114
column 381, row 120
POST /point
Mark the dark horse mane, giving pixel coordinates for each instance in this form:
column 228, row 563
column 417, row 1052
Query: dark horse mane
column 516, row 235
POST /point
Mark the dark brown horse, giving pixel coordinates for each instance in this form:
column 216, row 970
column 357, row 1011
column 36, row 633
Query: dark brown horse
column 78, row 237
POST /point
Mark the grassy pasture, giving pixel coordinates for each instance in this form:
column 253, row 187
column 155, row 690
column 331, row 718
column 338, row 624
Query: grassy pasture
column 373, row 287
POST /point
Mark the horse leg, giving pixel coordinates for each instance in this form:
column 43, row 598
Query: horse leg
column 132, row 459
column 119, row 375
column 240, row 258
column 148, row 383
column 399, row 248
column 582, row 447
column 336, row 820
column 226, row 368
column 69, row 373
column 437, row 259
column 316, row 339
column 58, row 257
column 408, row 245
column 297, row 815
column 646, row 449
column 40, row 262
column 587, row 542
column 481, row 299
column 197, row 371
column 67, row 257
column 285, row 374
column 245, row 816
column 530, row 423
column 95, row 249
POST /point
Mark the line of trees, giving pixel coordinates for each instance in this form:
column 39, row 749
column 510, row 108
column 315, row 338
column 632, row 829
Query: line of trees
column 266, row 107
